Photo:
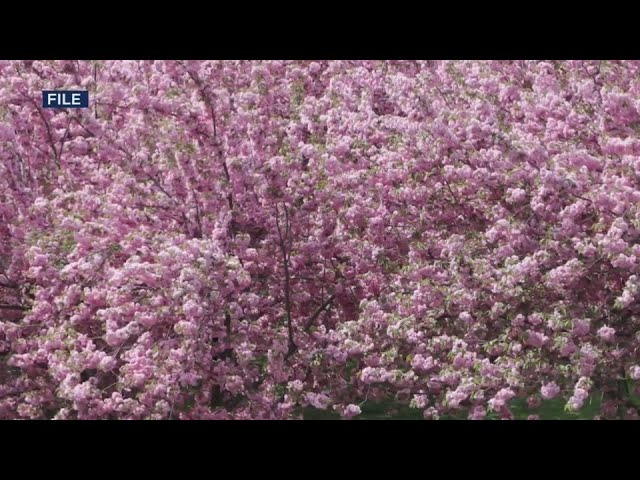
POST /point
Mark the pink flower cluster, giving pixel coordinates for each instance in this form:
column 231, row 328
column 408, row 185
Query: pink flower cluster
column 250, row 239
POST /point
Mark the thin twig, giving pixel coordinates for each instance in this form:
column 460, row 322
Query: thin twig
column 287, row 282
column 319, row 310
column 13, row 307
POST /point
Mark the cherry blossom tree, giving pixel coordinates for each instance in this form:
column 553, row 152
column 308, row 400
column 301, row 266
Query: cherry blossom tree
column 246, row 239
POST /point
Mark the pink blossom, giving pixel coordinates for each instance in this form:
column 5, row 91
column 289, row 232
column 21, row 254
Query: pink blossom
column 581, row 327
column 536, row 339
column 550, row 390
column 351, row 411
column 422, row 364
column 478, row 413
column 318, row 400
column 606, row 333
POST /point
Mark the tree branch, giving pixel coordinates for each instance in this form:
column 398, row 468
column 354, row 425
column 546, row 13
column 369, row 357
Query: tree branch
column 212, row 112
column 455, row 199
column 325, row 306
column 13, row 307
column 287, row 281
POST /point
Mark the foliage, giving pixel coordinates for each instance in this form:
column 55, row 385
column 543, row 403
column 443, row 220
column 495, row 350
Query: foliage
column 247, row 239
